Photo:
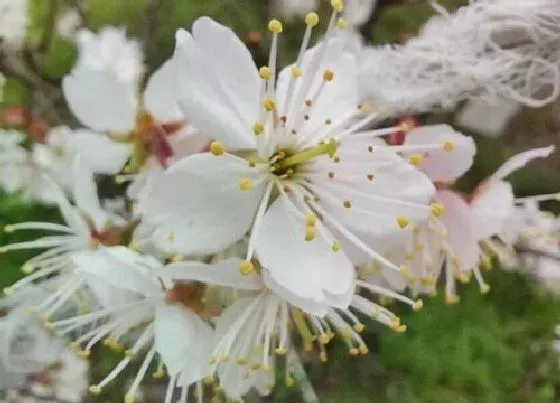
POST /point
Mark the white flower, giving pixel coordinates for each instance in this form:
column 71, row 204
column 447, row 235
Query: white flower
column 447, row 239
column 68, row 23
column 13, row 22
column 487, row 49
column 136, row 292
column 291, row 8
column 295, row 173
column 86, row 226
column 103, row 93
column 493, row 200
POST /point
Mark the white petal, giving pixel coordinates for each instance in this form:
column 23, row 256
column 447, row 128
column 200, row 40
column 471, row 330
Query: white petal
column 338, row 97
column 70, row 214
column 491, row 207
column 460, row 234
column 100, row 101
column 306, row 269
column 397, row 189
column 441, row 165
column 103, row 155
column 198, row 202
column 224, row 273
column 85, row 194
column 159, row 95
column 176, row 336
column 218, row 83
column 520, row 160
column 120, row 267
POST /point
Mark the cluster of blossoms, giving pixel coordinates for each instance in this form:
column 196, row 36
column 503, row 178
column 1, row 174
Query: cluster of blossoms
column 266, row 209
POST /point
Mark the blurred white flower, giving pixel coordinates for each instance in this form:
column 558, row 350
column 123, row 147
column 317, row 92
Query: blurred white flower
column 103, row 93
column 488, row 49
column 13, row 22
column 357, row 12
column 291, row 8
column 143, row 311
column 287, row 161
column 68, row 23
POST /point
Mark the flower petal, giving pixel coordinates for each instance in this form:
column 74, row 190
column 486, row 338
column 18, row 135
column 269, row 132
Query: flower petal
column 307, row 270
column 100, row 101
column 520, row 160
column 460, row 233
column 159, row 95
column 224, row 273
column 199, row 205
column 492, row 206
column 178, row 333
column 441, row 165
column 218, row 83
column 102, row 154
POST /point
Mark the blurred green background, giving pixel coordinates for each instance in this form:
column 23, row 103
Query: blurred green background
column 488, row 348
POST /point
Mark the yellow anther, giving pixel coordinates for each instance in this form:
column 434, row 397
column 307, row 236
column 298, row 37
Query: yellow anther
column 394, row 322
column 312, row 19
column 415, row 159
column 484, row 288
column 400, row 329
column 132, row 245
column 309, row 233
column 258, row 128
column 347, row 204
column 296, row 72
column 264, row 73
column 27, row 268
column 310, row 219
column 269, row 104
column 159, row 374
column 290, row 382
column 328, row 75
column 94, row 390
column 246, row 267
column 323, row 356
column 216, row 148
column 451, row 299
column 337, row 5
column 281, row 351
column 335, row 247
column 120, row 179
column 382, row 111
column 365, row 107
column 436, row 209
column 84, row 354
column 359, row 327
column 224, row 358
column 402, row 221
column 9, row 228
column 255, row 366
column 486, row 262
column 465, row 278
column 241, row 361
column 418, row 305
column 354, row 351
column 405, row 271
column 341, row 23
column 363, row 349
column 8, row 291
column 275, row 26
column 129, row 398
column 245, row 184
column 129, row 353
column 324, row 338
column 177, row 258
column 448, row 145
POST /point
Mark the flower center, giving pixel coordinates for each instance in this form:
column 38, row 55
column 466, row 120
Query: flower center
column 285, row 163
column 187, row 295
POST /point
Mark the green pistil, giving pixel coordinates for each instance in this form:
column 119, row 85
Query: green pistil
column 327, row 148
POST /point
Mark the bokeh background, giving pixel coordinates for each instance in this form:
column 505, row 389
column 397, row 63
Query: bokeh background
column 498, row 347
